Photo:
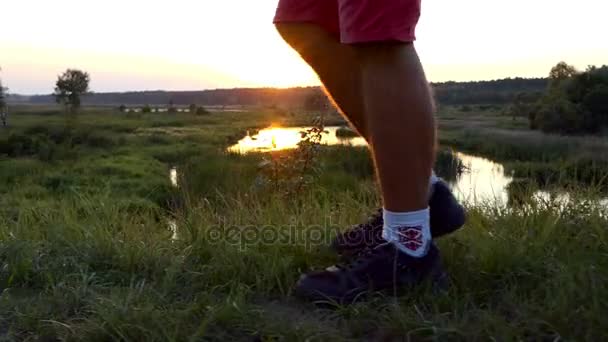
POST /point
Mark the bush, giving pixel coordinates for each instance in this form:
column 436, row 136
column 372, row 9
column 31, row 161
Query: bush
column 558, row 115
column 202, row 111
column 18, row 145
column 146, row 109
column 575, row 103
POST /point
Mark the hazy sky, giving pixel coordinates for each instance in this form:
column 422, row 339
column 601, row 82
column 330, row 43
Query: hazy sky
column 197, row 44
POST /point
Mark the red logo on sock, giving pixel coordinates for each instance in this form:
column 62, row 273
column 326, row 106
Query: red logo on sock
column 411, row 238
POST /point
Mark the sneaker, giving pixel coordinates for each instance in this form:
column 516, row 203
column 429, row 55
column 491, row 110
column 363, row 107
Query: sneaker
column 381, row 268
column 447, row 216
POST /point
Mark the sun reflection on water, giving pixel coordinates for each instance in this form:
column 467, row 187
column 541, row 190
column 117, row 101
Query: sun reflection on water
column 280, row 138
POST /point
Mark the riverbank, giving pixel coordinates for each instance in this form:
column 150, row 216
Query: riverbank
column 548, row 161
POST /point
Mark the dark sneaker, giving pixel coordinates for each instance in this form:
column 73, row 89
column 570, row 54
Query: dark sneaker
column 381, row 268
column 447, row 216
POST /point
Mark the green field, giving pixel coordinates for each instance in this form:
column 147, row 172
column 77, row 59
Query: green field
column 87, row 251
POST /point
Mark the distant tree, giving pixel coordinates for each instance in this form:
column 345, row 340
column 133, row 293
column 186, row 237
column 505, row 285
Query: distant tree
column 146, row 109
column 122, row 108
column 558, row 115
column 69, row 88
column 3, row 104
column 596, row 103
column 3, row 92
column 171, row 109
column 575, row 103
column 192, row 108
column 524, row 106
column 561, row 72
column 201, row 111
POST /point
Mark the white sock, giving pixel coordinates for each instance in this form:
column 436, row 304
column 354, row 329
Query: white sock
column 410, row 232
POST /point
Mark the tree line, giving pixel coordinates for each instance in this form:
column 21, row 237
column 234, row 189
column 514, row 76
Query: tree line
column 573, row 102
column 448, row 93
column 567, row 102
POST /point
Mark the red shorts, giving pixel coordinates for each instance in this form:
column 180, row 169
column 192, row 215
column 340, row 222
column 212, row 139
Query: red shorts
column 356, row 21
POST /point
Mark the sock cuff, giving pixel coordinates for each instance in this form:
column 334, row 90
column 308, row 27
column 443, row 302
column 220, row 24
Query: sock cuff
column 406, row 214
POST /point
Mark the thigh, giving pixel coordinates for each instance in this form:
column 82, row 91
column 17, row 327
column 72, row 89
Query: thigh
column 323, row 13
column 363, row 21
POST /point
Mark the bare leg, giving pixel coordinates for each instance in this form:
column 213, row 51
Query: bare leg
column 401, row 124
column 336, row 65
column 386, row 68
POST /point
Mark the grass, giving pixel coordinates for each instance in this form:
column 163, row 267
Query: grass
column 86, row 248
column 85, row 271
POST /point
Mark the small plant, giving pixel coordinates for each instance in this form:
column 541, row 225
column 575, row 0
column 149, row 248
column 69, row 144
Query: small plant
column 291, row 172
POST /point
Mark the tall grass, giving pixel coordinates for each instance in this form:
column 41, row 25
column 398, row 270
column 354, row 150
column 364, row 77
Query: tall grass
column 85, row 271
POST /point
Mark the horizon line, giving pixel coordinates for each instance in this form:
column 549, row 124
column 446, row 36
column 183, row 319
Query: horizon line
column 262, row 87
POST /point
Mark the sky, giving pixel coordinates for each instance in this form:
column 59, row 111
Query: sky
column 202, row 44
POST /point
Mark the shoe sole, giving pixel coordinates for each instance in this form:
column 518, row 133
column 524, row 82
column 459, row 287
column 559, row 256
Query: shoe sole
column 437, row 277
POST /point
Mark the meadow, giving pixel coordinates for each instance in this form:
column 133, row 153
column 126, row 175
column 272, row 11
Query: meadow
column 89, row 250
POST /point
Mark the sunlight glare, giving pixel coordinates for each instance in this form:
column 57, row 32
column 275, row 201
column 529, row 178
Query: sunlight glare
column 279, row 138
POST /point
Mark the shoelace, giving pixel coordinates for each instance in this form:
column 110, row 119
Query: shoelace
column 361, row 257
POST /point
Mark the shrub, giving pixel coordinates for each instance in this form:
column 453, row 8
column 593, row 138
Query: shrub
column 202, row 111
column 575, row 102
column 146, row 109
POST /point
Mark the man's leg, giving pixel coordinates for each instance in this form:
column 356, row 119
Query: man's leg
column 339, row 68
column 401, row 126
column 398, row 113
column 401, row 122
column 336, row 65
column 402, row 136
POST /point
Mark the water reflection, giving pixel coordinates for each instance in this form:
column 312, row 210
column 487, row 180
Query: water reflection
column 172, row 223
column 482, row 180
column 474, row 180
column 173, row 229
column 277, row 139
column 173, row 177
